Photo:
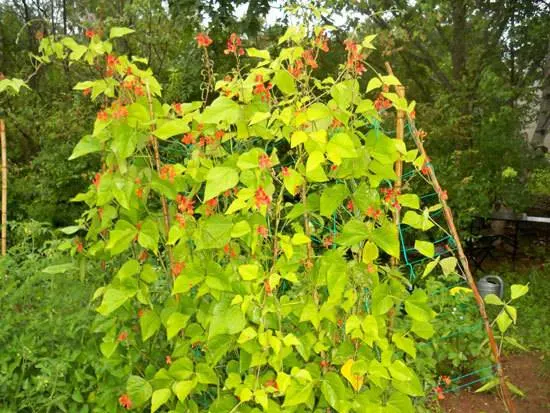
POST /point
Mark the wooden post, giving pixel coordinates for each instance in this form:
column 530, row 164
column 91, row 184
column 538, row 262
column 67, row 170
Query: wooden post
column 399, row 134
column 4, row 187
column 465, row 266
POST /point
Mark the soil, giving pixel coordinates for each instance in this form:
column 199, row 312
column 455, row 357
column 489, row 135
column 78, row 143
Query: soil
column 528, row 371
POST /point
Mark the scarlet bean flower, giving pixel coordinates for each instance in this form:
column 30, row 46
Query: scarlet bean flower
column 87, row 92
column 349, row 205
column 321, row 41
column 97, row 180
column 122, row 336
column 308, row 57
column 125, row 401
column 112, row 60
column 185, row 204
column 264, row 162
column 168, row 360
column 262, row 230
column 328, row 241
column 90, row 33
column 234, row 45
column 188, row 139
column 285, row 171
column 297, row 68
column 177, row 268
column 262, row 198
column 102, row 116
column 447, row 380
column 177, row 108
column 203, row 40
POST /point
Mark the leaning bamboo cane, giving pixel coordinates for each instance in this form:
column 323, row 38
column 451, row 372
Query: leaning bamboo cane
column 4, row 186
column 464, row 263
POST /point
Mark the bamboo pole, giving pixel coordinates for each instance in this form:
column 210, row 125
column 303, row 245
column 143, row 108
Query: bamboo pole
column 467, row 272
column 4, row 187
column 399, row 134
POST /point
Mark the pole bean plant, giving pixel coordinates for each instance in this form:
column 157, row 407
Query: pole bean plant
column 257, row 270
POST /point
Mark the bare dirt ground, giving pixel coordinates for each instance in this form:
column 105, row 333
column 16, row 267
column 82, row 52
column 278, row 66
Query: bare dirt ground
column 528, row 371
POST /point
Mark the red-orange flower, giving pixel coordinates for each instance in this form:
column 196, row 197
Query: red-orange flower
column 119, row 111
column 177, row 108
column 112, row 60
column 122, row 336
column 328, row 241
column 297, row 68
column 285, row 171
column 90, row 33
column 264, row 162
column 234, row 45
column 168, row 360
column 87, row 92
column 185, row 204
column 439, row 392
column 102, row 116
column 188, row 139
column 308, row 57
column 267, row 287
column 203, row 40
column 262, row 230
column 447, row 380
column 349, row 205
column 181, row 220
column 97, row 180
column 177, row 268
column 125, row 401
column 321, row 41
column 262, row 198
column 219, row 134
column 168, row 172
column 382, row 103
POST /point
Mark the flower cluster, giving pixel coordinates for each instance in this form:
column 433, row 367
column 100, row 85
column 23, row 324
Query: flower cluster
column 355, row 58
column 168, row 172
column 381, row 103
column 262, row 198
column 390, row 196
column 262, row 90
column 203, row 40
column 234, row 45
column 185, row 204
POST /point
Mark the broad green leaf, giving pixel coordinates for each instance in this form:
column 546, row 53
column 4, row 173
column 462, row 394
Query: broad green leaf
column 422, row 329
column 374, row 83
column 448, row 265
column 205, row 374
column 370, row 252
column 353, row 233
column 518, row 290
column 489, row 385
column 249, row 271
column 425, row 248
column 262, row 54
column 340, row 147
column 219, row 180
column 226, row 319
column 297, row 394
column 159, row 398
column 405, row 344
column 298, row 137
column 514, row 389
column 148, row 235
column 300, row 239
column 119, row 32
column 259, row 117
column 387, row 238
column 183, row 388
column 417, row 311
column 503, row 321
column 222, row 109
column 318, row 111
column 285, row 82
column 430, row 266
column 409, row 200
column 86, row 145
column 400, row 371
column 175, row 323
column 171, row 128
column 112, row 299
column 139, row 390
column 333, row 389
column 246, row 335
column 149, row 324
column 314, row 169
column 493, row 299
column 331, row 198
column 240, row 229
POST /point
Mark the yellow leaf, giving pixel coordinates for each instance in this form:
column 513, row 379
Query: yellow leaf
column 457, row 290
column 355, row 380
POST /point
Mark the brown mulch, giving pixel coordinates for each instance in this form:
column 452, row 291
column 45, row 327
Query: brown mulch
column 528, row 371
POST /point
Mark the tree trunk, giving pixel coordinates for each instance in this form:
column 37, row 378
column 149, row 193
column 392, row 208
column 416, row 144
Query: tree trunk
column 543, row 118
column 458, row 42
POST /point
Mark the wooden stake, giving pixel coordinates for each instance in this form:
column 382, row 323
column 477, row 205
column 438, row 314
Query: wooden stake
column 4, row 187
column 399, row 134
column 464, row 263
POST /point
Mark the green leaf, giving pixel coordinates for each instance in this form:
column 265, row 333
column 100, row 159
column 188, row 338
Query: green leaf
column 405, row 344
column 240, row 229
column 318, row 111
column 331, row 198
column 205, row 374
column 298, row 137
column 353, row 233
column 314, row 169
column 175, row 323
column 183, row 388
column 222, row 109
column 300, row 239
column 262, row 54
column 518, row 290
column 226, row 319
column 429, row 268
column 448, row 265
column 249, row 271
column 219, row 180
column 171, row 128
column 374, row 83
column 417, row 312
column 149, row 324
column 246, row 335
column 86, row 145
column 148, row 236
column 489, row 385
column 340, row 147
column 409, row 201
column 119, row 32
column 370, row 252
column 121, row 237
column 493, row 299
column 503, row 321
column 422, row 329
column 425, row 248
column 514, row 389
column 139, row 390
column 333, row 389
column 400, row 371
column 112, row 299
column 285, row 82
column 159, row 398
column 297, row 394
column 386, row 238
